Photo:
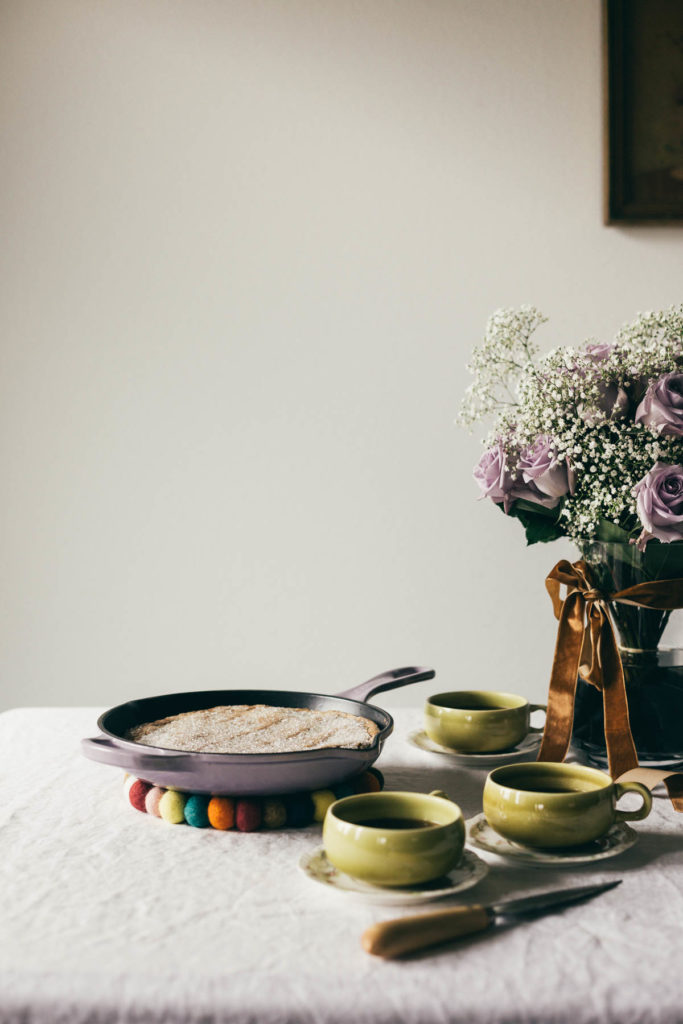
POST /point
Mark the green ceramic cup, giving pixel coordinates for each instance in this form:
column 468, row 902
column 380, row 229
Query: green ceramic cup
column 478, row 721
column 545, row 804
column 394, row 838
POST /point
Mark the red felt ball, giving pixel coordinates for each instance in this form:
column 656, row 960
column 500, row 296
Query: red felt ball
column 248, row 815
column 137, row 793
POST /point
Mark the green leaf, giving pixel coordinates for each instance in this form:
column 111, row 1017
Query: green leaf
column 610, row 533
column 540, row 524
column 521, row 505
column 539, row 530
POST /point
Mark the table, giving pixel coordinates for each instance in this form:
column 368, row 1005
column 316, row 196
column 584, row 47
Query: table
column 111, row 915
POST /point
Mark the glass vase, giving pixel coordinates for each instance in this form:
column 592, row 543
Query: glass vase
column 653, row 674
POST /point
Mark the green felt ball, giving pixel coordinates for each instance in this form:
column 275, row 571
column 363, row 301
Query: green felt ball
column 196, row 810
column 171, row 807
column 274, row 813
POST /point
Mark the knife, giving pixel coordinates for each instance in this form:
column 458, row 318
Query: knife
column 407, row 934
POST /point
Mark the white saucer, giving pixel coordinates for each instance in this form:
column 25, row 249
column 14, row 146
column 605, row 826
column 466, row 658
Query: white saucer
column 528, row 745
column 619, row 838
column 470, row 871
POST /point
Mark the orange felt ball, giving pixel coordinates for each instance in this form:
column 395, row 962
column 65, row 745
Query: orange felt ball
column 367, row 783
column 221, row 812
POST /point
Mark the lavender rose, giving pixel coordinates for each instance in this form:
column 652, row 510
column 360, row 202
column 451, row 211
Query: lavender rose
column 492, row 476
column 662, row 407
column 598, row 350
column 659, row 500
column 539, row 466
column 498, row 483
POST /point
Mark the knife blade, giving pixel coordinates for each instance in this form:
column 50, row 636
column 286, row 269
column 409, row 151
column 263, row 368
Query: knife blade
column 408, row 934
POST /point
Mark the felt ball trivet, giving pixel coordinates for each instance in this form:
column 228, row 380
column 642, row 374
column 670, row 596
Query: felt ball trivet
column 295, row 810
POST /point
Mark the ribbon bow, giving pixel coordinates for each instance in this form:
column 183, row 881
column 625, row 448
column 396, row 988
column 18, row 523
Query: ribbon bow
column 586, row 646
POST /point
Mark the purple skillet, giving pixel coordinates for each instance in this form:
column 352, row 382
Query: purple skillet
column 245, row 774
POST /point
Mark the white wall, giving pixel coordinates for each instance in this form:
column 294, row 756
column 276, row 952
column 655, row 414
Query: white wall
column 246, row 249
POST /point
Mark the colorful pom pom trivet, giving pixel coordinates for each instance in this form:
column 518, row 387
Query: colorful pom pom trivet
column 245, row 814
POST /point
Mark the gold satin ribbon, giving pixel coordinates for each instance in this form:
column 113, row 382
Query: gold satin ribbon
column 586, row 646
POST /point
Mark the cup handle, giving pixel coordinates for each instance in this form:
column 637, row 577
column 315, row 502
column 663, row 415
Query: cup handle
column 636, row 787
column 440, row 793
column 537, row 707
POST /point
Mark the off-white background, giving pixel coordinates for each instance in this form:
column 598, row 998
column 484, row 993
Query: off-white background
column 246, row 249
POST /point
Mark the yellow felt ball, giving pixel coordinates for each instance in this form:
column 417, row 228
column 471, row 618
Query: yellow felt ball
column 322, row 798
column 172, row 807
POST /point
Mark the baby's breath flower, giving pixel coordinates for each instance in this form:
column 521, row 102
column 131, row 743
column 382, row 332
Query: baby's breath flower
column 585, row 400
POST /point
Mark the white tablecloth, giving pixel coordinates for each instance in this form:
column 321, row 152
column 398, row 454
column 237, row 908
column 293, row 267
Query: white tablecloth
column 111, row 915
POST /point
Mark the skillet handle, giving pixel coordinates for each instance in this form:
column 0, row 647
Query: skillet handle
column 101, row 749
column 388, row 681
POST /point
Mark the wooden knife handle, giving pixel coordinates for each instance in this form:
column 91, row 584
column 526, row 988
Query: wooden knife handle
column 406, row 934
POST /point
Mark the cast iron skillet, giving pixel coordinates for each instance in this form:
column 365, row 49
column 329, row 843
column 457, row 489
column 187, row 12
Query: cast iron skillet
column 245, row 774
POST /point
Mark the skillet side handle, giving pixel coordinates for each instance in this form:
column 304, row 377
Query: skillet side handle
column 390, row 680
column 100, row 748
